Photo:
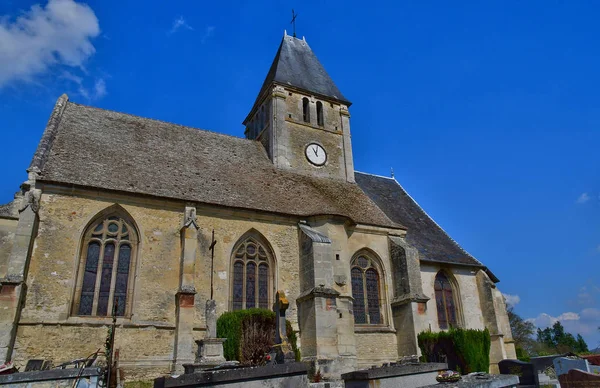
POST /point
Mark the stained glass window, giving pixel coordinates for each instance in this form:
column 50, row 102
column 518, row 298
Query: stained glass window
column 444, row 301
column 252, row 277
column 373, row 296
column 238, row 285
column 89, row 279
column 365, row 291
column 263, row 286
column 358, row 293
column 105, row 277
column 250, row 285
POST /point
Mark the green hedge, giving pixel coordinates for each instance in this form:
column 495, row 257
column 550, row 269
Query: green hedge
column 464, row 350
column 230, row 326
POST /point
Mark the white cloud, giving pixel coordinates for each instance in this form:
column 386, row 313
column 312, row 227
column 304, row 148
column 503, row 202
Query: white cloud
column 583, row 198
column 96, row 92
column 210, row 30
column 43, row 37
column 512, row 300
column 585, row 322
column 100, row 88
column 178, row 24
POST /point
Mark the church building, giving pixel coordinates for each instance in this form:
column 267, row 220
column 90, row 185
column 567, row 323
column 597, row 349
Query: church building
column 118, row 213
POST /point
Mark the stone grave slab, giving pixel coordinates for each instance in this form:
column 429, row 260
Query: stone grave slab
column 406, row 376
column 481, row 380
column 563, row 365
column 576, row 378
column 525, row 371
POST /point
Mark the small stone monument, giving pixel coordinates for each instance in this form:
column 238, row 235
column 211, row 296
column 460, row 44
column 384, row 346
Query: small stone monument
column 282, row 350
column 210, row 348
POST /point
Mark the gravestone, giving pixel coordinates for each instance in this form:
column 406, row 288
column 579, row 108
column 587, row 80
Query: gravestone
column 576, row 378
column 563, row 365
column 282, row 351
column 524, row 370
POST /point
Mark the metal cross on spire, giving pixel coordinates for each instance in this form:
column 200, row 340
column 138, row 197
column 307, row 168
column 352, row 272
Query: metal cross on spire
column 293, row 22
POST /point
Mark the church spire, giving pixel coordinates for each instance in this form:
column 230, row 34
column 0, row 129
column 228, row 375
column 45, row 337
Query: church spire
column 301, row 117
column 296, row 65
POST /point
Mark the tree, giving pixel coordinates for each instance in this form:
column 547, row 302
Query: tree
column 581, row 344
column 556, row 340
column 522, row 332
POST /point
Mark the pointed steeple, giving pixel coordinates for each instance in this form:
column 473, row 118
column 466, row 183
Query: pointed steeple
column 297, row 66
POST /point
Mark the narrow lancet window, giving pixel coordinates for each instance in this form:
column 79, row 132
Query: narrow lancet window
column 305, row 110
column 445, row 302
column 320, row 120
column 366, row 290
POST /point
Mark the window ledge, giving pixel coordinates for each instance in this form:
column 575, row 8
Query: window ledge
column 373, row 329
column 99, row 322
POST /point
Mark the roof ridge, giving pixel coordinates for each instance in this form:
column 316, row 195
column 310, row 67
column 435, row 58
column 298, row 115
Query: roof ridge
column 436, row 224
column 41, row 153
column 379, row 176
column 162, row 121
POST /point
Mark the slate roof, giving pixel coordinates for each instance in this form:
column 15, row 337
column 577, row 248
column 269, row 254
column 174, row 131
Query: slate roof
column 296, row 65
column 109, row 150
column 432, row 242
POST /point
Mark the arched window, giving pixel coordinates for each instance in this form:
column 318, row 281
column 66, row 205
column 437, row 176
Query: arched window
column 366, row 288
column 445, row 301
column 253, row 268
column 106, row 266
column 320, row 120
column 305, row 110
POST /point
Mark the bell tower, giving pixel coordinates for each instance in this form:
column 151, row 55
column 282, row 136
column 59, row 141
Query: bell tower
column 301, row 117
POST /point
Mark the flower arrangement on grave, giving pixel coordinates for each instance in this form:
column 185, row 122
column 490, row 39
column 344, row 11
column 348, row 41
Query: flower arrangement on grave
column 448, row 376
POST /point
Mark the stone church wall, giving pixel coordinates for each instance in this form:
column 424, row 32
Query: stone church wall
column 375, row 348
column 469, row 305
column 299, row 134
column 146, row 340
column 375, row 344
column 8, row 228
column 47, row 328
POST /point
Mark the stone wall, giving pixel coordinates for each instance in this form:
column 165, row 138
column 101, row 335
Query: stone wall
column 375, row 348
column 8, row 228
column 146, row 339
column 469, row 307
column 292, row 135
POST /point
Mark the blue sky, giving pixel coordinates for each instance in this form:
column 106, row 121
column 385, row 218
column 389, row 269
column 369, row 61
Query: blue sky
column 487, row 111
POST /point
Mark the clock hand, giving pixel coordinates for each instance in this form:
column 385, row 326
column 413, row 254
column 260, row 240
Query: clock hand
column 316, row 151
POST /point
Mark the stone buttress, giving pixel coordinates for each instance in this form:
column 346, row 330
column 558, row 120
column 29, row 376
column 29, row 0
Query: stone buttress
column 327, row 340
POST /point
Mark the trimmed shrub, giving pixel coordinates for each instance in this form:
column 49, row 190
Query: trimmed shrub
column 465, row 350
column 250, row 335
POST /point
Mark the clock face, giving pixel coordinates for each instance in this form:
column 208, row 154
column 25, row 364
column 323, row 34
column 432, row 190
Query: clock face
column 316, row 154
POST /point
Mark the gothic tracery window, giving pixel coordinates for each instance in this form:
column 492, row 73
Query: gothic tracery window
column 445, row 301
column 366, row 287
column 252, row 275
column 106, row 264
